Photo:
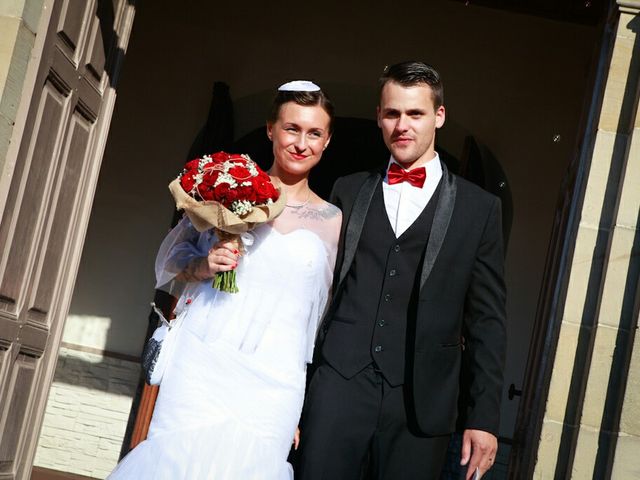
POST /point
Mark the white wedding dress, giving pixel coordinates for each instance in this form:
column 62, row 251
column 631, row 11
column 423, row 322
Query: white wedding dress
column 231, row 398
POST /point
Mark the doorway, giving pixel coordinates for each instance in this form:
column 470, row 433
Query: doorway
column 514, row 84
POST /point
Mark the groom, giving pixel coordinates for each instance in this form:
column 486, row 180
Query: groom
column 418, row 305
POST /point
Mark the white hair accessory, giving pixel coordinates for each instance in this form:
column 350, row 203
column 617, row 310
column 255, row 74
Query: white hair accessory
column 299, row 86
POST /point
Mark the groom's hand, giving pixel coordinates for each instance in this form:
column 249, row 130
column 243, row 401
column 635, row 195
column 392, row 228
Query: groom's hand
column 478, row 451
column 296, row 438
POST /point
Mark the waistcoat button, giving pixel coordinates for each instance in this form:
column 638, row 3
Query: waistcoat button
column 378, row 348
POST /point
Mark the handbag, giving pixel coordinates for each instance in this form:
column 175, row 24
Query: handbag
column 159, row 348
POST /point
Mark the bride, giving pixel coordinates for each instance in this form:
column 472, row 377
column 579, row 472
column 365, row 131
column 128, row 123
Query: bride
column 231, row 398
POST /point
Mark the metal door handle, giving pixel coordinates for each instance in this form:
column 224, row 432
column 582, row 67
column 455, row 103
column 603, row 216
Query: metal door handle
column 513, row 392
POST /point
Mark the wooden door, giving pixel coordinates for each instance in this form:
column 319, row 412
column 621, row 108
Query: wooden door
column 48, row 203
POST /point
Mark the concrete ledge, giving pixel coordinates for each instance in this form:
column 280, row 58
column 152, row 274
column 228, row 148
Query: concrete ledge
column 40, row 473
column 630, row 6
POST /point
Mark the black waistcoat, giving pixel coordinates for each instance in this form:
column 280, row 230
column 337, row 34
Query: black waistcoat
column 378, row 294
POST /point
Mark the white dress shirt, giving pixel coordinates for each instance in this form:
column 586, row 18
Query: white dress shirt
column 404, row 202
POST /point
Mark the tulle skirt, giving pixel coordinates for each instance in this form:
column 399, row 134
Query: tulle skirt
column 221, row 414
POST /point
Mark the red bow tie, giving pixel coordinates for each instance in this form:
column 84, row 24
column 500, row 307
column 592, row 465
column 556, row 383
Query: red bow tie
column 397, row 174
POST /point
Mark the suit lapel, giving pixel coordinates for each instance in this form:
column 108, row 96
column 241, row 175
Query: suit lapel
column 444, row 210
column 356, row 221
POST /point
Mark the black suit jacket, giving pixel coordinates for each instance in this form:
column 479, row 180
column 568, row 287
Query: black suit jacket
column 461, row 291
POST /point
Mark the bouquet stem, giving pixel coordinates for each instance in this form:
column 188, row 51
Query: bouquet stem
column 226, row 281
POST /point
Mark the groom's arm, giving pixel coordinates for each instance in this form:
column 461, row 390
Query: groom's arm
column 334, row 197
column 337, row 197
column 486, row 346
column 485, row 327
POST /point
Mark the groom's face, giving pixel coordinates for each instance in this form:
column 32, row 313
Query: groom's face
column 408, row 120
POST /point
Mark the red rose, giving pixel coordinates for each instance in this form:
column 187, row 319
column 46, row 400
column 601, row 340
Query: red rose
column 187, row 182
column 220, row 193
column 247, row 193
column 260, row 178
column 241, row 174
column 232, row 195
column 208, row 166
column 275, row 195
column 220, row 157
column 265, row 191
column 192, row 164
column 205, row 192
column 209, row 177
column 258, row 192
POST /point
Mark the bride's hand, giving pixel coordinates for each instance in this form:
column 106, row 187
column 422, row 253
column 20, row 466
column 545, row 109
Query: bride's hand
column 223, row 256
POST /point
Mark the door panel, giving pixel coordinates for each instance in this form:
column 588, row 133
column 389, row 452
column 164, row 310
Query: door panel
column 21, row 378
column 73, row 158
column 95, row 56
column 72, row 26
column 29, row 196
column 48, row 203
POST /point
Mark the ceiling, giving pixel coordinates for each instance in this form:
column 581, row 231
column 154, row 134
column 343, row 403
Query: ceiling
column 575, row 11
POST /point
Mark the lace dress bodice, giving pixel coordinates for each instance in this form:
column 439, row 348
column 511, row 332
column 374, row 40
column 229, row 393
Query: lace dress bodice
column 284, row 279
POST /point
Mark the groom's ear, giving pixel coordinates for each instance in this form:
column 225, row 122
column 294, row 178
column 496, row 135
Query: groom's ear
column 440, row 116
column 378, row 116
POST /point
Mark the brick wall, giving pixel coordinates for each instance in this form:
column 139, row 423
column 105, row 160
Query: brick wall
column 87, row 413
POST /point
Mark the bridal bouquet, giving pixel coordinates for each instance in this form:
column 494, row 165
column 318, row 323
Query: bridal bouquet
column 229, row 193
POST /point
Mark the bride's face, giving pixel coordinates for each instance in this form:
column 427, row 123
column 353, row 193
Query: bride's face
column 299, row 136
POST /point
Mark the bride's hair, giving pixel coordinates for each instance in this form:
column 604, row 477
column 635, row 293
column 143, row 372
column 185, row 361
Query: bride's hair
column 308, row 99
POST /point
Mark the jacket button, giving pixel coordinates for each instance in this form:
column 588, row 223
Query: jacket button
column 392, row 273
column 387, row 297
column 396, row 248
column 378, row 348
column 382, row 323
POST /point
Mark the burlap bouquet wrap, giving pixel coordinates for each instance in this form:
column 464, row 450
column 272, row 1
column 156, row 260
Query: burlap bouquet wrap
column 205, row 215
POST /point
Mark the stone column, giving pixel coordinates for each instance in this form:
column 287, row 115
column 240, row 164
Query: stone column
column 18, row 27
column 591, row 426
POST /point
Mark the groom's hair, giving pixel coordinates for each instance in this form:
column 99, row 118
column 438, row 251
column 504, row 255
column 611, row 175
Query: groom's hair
column 412, row 73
